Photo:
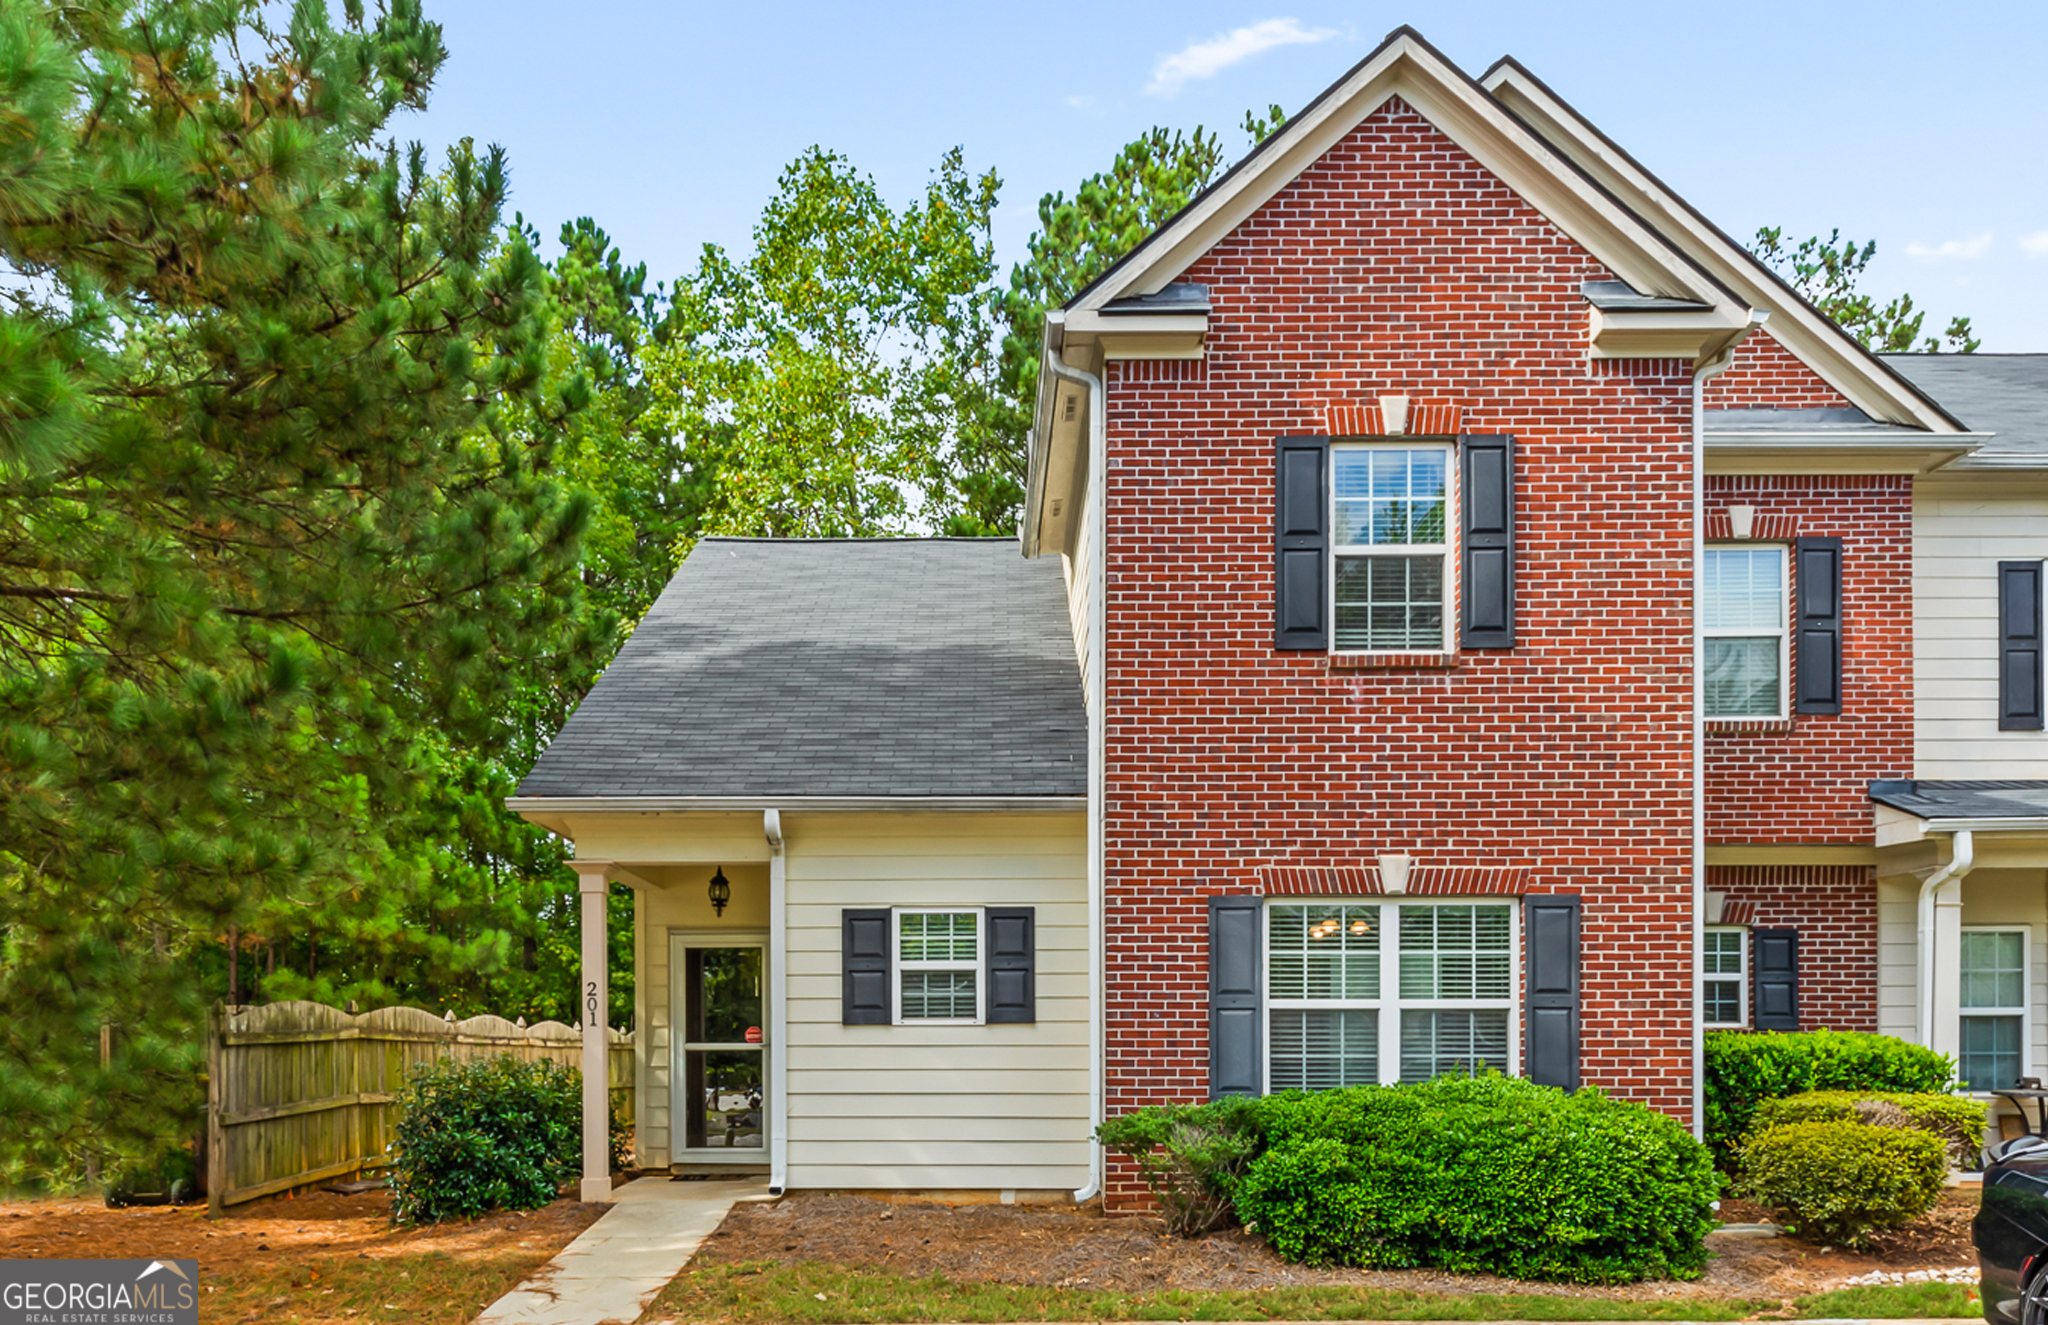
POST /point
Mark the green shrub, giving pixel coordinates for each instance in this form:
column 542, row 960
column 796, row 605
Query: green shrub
column 1485, row 1174
column 1957, row 1119
column 1191, row 1157
column 1745, row 1068
column 1839, row 1182
column 484, row 1134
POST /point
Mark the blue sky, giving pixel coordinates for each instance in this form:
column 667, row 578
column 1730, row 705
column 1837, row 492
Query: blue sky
column 1919, row 126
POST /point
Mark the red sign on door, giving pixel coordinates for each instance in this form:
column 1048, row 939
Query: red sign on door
column 753, row 1035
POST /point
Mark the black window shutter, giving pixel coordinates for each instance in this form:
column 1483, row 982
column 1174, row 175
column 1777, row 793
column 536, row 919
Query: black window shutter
column 1551, row 1056
column 1487, row 500
column 1776, row 982
column 2019, row 646
column 1301, row 543
column 1817, row 642
column 864, row 968
column 1235, row 963
column 1012, row 960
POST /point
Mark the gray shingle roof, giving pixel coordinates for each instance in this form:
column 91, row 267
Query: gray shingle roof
column 1929, row 799
column 2005, row 394
column 837, row 667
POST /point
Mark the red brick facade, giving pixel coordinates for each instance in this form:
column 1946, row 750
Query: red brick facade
column 1807, row 779
column 1765, row 375
column 1397, row 264
column 1834, row 908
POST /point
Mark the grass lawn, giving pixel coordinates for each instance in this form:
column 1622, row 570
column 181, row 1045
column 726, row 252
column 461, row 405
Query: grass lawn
column 813, row 1294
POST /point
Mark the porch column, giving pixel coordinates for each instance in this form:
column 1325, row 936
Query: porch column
column 1945, row 1036
column 594, row 881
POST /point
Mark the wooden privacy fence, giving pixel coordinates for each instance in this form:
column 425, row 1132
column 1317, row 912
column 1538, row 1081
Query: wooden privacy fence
column 299, row 1093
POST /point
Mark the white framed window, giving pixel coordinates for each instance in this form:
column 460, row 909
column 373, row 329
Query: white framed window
column 1390, row 520
column 937, row 959
column 1992, row 1045
column 1724, row 977
column 1384, row 991
column 1743, row 615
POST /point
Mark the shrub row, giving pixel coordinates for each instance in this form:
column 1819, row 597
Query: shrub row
column 1472, row 1174
column 1745, row 1068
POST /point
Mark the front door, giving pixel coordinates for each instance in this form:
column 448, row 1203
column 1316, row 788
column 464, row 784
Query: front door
column 721, row 1087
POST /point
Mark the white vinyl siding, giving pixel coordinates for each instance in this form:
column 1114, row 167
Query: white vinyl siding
column 1962, row 529
column 938, row 1105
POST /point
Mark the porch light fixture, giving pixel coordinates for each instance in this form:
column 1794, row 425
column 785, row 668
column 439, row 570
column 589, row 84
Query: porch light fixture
column 721, row 892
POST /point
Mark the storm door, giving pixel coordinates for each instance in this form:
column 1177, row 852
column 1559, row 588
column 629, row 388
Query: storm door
column 718, row 999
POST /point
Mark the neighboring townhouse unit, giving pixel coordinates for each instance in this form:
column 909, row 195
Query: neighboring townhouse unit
column 1502, row 629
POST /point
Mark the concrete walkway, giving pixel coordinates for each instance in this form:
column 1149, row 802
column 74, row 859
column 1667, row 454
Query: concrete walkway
column 615, row 1268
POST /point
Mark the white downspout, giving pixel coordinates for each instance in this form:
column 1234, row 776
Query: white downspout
column 1701, row 375
column 1962, row 858
column 1096, row 698
column 778, row 1005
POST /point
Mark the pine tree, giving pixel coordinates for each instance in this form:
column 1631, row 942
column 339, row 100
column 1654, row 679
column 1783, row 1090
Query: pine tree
column 269, row 550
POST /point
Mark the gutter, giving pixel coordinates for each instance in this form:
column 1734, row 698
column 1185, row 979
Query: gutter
column 1963, row 827
column 1962, row 858
column 1095, row 679
column 761, row 804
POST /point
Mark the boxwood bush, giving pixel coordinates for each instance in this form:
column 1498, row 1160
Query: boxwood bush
column 1841, row 1181
column 1745, row 1068
column 475, row 1135
column 1485, row 1174
column 1190, row 1156
column 1957, row 1119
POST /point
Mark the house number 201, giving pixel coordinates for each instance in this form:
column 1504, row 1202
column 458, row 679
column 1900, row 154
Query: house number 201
column 590, row 1001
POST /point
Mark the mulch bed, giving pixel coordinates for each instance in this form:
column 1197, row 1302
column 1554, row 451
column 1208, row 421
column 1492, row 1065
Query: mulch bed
column 1069, row 1247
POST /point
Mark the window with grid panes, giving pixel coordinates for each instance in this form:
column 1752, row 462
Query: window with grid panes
column 1391, row 545
column 1993, row 997
column 1743, row 618
column 1350, row 1003
column 1724, row 977
column 938, row 965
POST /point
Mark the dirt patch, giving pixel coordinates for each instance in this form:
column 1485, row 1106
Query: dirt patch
column 1065, row 1247
column 319, row 1259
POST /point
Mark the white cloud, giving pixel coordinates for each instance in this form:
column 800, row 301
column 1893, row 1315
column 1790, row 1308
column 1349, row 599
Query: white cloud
column 1948, row 249
column 1080, row 101
column 2035, row 245
column 1206, row 59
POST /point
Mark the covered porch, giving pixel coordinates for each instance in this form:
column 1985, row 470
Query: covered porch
column 1963, row 904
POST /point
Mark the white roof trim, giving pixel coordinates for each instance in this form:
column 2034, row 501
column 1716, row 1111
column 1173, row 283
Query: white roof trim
column 1406, row 67
column 530, row 805
column 1815, row 341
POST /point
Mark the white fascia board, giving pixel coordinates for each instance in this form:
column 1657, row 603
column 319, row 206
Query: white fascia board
column 531, row 806
column 2004, row 462
column 1809, row 336
column 1058, row 417
column 1833, row 453
column 2016, row 825
column 1663, row 333
column 1405, row 67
